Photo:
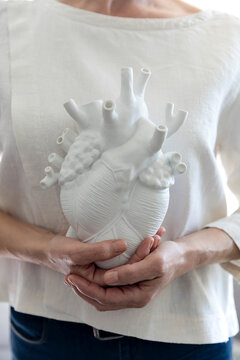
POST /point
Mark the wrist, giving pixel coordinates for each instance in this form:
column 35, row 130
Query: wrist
column 207, row 246
column 198, row 248
column 191, row 257
column 22, row 241
column 31, row 246
column 185, row 257
column 36, row 250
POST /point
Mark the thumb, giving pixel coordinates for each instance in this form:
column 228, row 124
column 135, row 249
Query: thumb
column 100, row 251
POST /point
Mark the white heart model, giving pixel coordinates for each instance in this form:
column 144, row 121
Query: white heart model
column 115, row 178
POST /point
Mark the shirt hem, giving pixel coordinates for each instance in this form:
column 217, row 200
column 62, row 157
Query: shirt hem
column 212, row 328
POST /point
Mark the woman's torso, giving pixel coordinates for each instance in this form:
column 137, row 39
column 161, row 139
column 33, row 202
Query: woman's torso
column 58, row 53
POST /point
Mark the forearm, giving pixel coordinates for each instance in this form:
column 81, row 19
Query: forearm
column 206, row 247
column 22, row 241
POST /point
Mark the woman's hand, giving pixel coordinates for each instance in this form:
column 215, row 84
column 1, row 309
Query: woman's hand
column 96, row 275
column 136, row 284
column 67, row 255
column 30, row 243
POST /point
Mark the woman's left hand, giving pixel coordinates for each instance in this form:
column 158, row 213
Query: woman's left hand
column 139, row 281
column 136, row 283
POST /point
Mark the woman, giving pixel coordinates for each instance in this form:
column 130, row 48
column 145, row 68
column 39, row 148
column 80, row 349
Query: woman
column 175, row 299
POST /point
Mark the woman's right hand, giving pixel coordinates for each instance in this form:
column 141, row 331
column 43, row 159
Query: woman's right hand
column 31, row 243
column 94, row 274
column 71, row 256
column 68, row 255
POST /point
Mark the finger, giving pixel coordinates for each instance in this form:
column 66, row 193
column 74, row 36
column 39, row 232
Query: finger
column 90, row 272
column 127, row 296
column 93, row 302
column 161, row 231
column 101, row 251
column 97, row 276
column 146, row 269
column 157, row 240
column 94, row 274
column 143, row 250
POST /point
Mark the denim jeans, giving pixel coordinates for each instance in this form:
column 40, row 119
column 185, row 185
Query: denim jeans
column 39, row 338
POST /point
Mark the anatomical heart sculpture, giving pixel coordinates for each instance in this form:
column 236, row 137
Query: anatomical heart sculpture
column 114, row 180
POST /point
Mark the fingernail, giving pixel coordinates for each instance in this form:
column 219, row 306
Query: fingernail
column 66, row 282
column 164, row 229
column 111, row 277
column 71, row 282
column 120, row 245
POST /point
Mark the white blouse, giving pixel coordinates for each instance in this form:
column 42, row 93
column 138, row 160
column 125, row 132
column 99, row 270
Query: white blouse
column 51, row 52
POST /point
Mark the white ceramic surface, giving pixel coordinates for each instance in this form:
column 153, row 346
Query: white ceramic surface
column 115, row 178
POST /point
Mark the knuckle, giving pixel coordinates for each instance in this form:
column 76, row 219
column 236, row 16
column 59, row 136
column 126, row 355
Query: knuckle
column 159, row 265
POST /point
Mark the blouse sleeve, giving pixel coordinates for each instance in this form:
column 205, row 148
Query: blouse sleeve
column 228, row 147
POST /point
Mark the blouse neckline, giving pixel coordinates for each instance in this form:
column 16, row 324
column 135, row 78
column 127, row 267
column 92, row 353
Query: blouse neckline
column 128, row 23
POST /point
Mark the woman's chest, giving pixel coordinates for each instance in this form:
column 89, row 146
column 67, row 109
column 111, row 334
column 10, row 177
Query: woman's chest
column 85, row 66
column 57, row 70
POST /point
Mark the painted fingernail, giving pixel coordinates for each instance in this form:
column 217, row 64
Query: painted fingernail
column 111, row 277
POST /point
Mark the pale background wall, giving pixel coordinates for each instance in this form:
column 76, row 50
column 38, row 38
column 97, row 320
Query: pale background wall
column 230, row 6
